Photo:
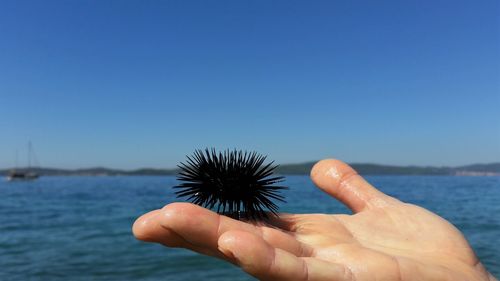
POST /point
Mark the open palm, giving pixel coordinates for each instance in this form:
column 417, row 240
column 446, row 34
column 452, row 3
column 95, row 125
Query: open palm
column 385, row 239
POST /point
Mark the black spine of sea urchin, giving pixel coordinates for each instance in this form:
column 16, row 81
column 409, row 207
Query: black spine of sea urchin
column 234, row 183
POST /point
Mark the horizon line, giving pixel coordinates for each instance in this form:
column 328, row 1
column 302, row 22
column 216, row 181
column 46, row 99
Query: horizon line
column 297, row 163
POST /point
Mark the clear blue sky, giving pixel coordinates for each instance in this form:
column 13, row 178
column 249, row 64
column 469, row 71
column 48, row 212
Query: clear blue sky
column 130, row 84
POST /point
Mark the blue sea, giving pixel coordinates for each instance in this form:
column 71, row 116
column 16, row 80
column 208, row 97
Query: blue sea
column 79, row 228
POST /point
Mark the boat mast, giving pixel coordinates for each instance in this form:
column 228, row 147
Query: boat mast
column 29, row 155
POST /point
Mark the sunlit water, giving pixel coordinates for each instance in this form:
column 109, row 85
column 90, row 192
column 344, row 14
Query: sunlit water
column 79, row 228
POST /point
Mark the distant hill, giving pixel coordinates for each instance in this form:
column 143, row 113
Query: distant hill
column 291, row 169
column 372, row 169
column 98, row 171
column 377, row 169
column 492, row 168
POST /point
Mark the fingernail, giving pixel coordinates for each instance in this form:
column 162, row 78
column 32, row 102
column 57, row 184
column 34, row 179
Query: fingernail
column 227, row 253
column 224, row 247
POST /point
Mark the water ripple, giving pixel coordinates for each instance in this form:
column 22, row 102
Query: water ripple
column 78, row 228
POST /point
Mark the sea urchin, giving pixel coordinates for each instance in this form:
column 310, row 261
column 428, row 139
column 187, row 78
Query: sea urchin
column 234, row 183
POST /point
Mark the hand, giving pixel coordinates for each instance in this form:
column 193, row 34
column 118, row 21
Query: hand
column 385, row 239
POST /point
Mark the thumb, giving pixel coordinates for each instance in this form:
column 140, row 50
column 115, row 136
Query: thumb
column 342, row 182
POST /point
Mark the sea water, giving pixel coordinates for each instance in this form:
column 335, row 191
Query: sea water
column 79, row 228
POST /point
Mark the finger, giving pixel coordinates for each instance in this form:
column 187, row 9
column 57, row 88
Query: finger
column 258, row 258
column 343, row 182
column 201, row 227
column 147, row 228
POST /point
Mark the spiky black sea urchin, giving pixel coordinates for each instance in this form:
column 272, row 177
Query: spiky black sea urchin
column 233, row 182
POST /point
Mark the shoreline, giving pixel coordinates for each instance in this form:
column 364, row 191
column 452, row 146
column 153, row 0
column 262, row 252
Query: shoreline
column 491, row 169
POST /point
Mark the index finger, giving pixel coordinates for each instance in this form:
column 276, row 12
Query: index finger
column 201, row 228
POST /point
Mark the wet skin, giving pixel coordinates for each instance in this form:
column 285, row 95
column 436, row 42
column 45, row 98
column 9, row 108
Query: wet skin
column 384, row 238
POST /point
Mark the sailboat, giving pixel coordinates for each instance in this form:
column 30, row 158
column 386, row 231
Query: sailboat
column 24, row 174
